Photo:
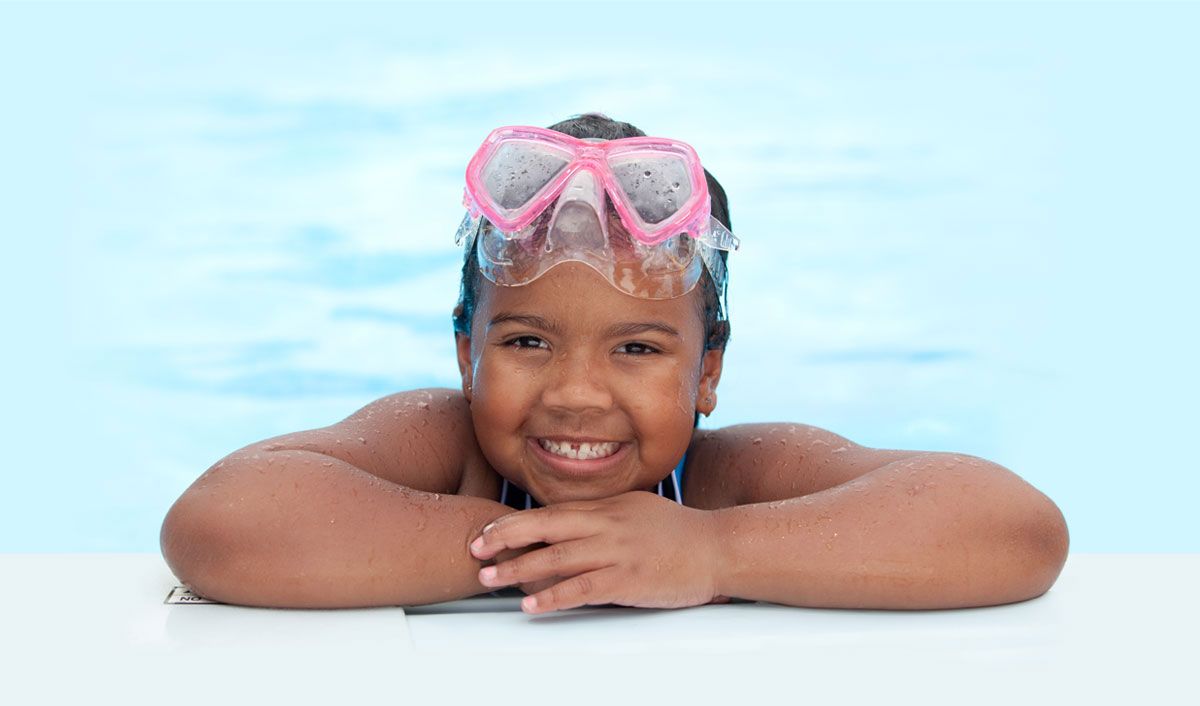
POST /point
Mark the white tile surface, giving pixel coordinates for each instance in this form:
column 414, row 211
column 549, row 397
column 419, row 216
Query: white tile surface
column 84, row 627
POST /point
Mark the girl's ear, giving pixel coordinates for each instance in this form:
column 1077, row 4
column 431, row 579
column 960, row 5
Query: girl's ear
column 710, row 375
column 462, row 345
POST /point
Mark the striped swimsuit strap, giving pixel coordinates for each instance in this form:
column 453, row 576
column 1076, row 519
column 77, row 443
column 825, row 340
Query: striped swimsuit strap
column 516, row 497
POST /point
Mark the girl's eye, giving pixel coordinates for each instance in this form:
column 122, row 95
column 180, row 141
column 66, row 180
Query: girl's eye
column 639, row 349
column 517, row 342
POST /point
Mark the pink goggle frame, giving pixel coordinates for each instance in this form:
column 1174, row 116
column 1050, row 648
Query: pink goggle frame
column 493, row 177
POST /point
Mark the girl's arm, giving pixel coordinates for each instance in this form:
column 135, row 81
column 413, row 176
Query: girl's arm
column 823, row 522
column 319, row 519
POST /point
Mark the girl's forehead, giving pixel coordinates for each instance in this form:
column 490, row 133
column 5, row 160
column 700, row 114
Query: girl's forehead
column 574, row 294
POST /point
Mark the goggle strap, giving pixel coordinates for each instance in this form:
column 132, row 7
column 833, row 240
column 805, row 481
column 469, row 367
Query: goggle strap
column 468, row 229
column 718, row 236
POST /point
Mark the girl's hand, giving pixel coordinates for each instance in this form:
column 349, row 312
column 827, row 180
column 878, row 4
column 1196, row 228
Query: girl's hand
column 530, row 587
column 635, row 549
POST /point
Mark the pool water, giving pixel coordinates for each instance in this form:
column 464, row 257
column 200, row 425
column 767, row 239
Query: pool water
column 966, row 232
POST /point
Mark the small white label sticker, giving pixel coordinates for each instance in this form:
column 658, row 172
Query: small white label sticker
column 183, row 594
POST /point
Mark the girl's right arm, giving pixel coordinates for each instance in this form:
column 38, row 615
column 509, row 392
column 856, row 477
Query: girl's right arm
column 359, row 513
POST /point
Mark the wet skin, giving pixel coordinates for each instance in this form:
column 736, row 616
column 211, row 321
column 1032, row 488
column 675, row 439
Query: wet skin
column 544, row 361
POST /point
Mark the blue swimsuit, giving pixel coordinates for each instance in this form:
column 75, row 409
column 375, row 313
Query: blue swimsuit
column 518, row 498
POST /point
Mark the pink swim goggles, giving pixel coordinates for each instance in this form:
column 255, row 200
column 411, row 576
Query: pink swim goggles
column 637, row 210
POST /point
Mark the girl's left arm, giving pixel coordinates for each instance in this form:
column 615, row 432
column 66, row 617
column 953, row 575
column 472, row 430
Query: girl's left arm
column 923, row 531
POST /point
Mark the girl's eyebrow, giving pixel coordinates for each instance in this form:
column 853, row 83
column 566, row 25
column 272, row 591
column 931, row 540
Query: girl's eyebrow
column 531, row 320
column 632, row 327
column 627, row 328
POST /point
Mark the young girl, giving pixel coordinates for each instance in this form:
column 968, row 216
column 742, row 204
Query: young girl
column 590, row 336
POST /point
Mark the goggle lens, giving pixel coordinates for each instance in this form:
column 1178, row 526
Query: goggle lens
column 655, row 184
column 519, row 170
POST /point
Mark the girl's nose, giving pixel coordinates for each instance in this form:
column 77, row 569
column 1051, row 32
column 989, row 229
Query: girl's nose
column 573, row 386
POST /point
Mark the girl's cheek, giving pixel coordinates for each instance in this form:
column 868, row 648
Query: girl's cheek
column 681, row 391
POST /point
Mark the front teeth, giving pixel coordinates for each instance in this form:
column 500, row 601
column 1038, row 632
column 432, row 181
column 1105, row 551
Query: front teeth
column 582, row 451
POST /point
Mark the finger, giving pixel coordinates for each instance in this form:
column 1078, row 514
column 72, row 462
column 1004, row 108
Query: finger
column 561, row 559
column 591, row 588
column 544, row 524
column 534, row 587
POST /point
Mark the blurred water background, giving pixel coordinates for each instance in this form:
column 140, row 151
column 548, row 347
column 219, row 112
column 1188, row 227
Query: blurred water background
column 965, row 227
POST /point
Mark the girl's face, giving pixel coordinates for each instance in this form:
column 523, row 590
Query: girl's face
column 568, row 356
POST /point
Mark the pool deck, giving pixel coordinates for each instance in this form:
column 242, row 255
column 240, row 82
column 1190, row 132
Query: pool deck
column 94, row 627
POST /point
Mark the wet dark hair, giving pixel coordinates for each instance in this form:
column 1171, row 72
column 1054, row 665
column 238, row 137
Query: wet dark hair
column 593, row 125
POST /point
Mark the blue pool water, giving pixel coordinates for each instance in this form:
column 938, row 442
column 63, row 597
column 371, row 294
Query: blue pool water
column 964, row 228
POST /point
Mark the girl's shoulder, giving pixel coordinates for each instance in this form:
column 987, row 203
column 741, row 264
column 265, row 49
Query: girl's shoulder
column 422, row 439
column 706, row 484
column 754, row 463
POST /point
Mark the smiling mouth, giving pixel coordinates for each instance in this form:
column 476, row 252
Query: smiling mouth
column 582, row 451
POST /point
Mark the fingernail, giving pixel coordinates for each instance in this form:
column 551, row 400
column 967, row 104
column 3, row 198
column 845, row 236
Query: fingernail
column 477, row 545
column 529, row 603
column 487, row 574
